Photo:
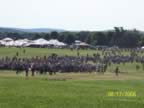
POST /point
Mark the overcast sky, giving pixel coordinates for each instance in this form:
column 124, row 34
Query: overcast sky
column 72, row 14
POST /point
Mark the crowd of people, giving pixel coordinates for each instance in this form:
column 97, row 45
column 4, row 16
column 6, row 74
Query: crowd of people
column 51, row 64
column 54, row 63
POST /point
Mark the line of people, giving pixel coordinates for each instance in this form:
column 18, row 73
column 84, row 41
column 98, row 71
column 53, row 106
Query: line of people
column 54, row 63
column 51, row 65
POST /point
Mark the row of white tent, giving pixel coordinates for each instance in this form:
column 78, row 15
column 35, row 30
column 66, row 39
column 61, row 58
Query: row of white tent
column 26, row 42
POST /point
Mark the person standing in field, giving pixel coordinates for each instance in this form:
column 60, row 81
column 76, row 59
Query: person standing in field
column 117, row 71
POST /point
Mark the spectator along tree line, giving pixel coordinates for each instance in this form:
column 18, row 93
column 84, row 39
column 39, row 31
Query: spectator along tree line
column 118, row 37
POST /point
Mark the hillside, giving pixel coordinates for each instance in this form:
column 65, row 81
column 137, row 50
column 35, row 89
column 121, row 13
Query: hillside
column 31, row 30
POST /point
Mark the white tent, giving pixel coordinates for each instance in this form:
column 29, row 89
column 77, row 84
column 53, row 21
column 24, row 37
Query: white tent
column 82, row 44
column 1, row 42
column 7, row 39
column 56, row 42
column 21, row 42
column 7, row 42
column 26, row 42
column 41, row 41
column 77, row 41
column 10, row 43
column 142, row 47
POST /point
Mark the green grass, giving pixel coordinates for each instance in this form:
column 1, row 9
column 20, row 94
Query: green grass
column 76, row 91
column 31, row 52
column 127, row 67
column 42, row 93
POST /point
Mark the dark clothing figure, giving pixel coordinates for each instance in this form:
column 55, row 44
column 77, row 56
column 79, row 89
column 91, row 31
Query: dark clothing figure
column 33, row 69
column 117, row 71
column 26, row 68
column 17, row 54
column 26, row 73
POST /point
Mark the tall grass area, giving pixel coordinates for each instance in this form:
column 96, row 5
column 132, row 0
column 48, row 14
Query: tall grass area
column 42, row 93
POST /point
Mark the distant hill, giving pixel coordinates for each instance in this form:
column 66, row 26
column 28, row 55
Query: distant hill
column 35, row 30
column 9, row 30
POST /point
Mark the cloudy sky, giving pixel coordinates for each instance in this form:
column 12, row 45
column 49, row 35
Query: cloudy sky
column 72, row 14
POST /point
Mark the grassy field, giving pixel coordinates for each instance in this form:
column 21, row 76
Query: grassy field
column 31, row 52
column 73, row 90
column 10, row 52
column 43, row 93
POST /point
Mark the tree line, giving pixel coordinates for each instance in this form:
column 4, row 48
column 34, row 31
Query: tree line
column 117, row 37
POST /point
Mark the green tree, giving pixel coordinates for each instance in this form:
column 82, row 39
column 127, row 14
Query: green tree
column 54, row 35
